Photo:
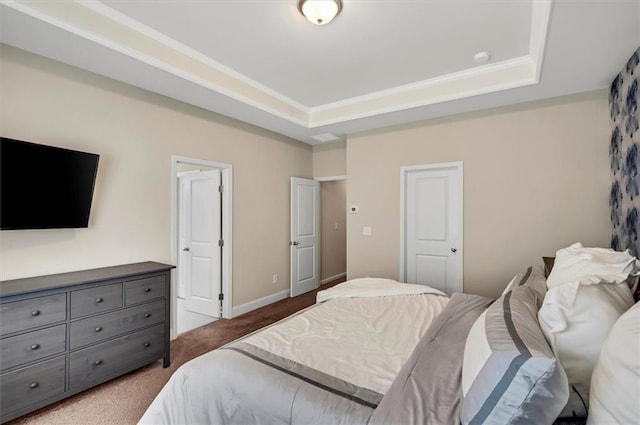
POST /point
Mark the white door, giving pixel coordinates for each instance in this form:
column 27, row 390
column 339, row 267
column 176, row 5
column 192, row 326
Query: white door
column 432, row 212
column 305, row 237
column 200, row 262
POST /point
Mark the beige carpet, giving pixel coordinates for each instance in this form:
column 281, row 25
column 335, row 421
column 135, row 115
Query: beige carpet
column 124, row 400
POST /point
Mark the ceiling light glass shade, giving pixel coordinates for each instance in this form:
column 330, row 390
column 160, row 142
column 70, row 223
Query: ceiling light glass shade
column 319, row 12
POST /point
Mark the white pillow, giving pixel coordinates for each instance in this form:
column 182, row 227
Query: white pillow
column 575, row 262
column 615, row 384
column 576, row 318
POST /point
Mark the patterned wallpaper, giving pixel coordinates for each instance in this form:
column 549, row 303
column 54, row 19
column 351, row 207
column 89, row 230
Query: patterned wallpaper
column 624, row 199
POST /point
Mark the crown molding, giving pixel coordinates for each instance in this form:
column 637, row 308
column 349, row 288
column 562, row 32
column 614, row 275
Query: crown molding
column 99, row 24
column 161, row 52
column 505, row 75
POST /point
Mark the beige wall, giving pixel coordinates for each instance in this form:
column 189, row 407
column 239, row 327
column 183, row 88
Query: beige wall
column 536, row 178
column 136, row 132
column 333, row 242
column 330, row 160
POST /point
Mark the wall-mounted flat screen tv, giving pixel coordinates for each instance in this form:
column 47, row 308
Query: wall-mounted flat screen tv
column 45, row 187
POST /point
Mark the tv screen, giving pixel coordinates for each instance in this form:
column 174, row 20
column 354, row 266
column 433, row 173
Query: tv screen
column 44, row 187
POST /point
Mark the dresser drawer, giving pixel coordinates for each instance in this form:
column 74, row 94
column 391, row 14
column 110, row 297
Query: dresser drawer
column 93, row 364
column 32, row 313
column 98, row 328
column 32, row 346
column 31, row 384
column 141, row 290
column 96, row 300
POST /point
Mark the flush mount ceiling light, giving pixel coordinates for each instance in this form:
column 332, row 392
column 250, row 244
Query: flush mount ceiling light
column 320, row 12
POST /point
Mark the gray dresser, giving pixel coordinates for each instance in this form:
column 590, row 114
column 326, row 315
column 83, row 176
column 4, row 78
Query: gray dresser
column 61, row 334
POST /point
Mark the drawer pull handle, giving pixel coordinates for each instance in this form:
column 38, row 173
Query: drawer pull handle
column 147, row 344
column 33, row 385
column 35, row 346
column 99, row 300
column 147, row 315
column 35, row 313
column 147, row 289
column 98, row 328
column 97, row 362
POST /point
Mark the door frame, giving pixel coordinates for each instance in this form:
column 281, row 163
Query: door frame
column 227, row 226
column 404, row 172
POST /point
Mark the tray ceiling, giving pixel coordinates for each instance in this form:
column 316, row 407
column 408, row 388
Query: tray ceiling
column 379, row 63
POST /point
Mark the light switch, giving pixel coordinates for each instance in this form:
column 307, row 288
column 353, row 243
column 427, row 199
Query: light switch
column 353, row 209
column 335, row 225
column 367, row 231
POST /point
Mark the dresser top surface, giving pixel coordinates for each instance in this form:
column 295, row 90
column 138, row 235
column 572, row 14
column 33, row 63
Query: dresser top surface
column 53, row 281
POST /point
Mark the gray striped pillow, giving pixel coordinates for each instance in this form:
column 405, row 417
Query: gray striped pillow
column 510, row 375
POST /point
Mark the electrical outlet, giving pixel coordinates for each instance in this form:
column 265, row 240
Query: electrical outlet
column 275, row 279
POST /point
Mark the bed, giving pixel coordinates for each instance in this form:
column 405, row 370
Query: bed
column 376, row 351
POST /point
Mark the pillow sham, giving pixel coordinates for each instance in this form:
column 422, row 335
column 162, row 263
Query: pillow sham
column 615, row 384
column 576, row 261
column 576, row 318
column 509, row 373
column 632, row 280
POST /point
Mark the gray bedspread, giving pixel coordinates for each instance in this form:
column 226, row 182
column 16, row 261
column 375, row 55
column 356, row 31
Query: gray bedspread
column 242, row 384
column 236, row 385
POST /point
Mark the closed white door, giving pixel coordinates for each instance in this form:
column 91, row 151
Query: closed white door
column 305, row 237
column 433, row 251
column 200, row 223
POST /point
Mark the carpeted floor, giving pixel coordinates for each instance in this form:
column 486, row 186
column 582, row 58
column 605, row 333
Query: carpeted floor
column 123, row 400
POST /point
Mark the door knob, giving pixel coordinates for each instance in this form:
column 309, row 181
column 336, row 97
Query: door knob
column 295, row 243
column 454, row 249
column 186, row 249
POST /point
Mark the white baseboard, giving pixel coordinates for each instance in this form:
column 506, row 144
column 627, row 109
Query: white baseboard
column 270, row 299
column 329, row 279
column 262, row 302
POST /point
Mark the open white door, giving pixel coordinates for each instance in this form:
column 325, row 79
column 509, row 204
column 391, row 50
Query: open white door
column 199, row 238
column 432, row 248
column 305, row 235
